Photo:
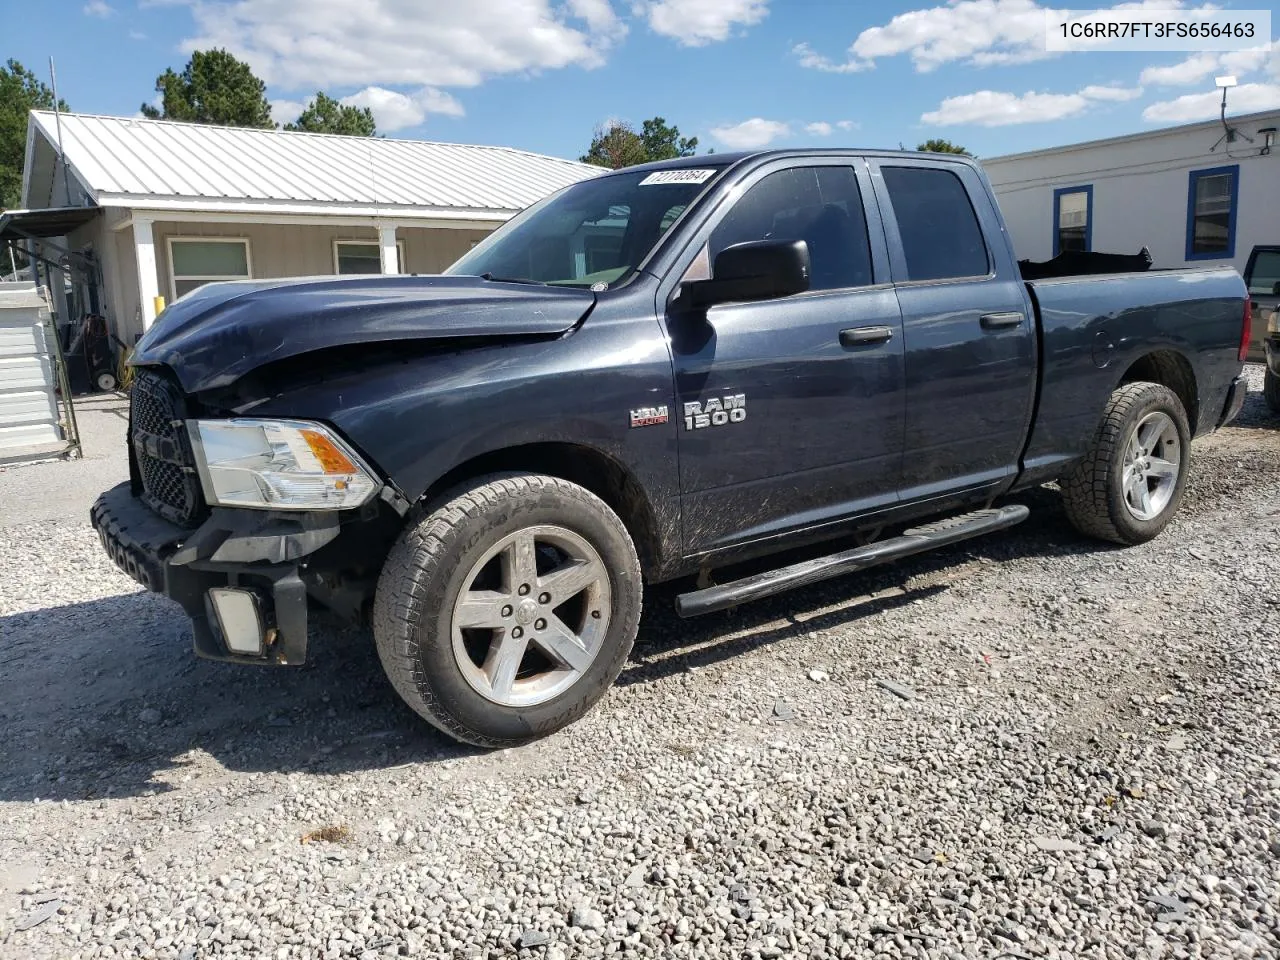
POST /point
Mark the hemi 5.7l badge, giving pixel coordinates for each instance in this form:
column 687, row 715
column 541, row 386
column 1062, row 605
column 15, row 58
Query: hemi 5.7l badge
column 715, row 412
column 648, row 416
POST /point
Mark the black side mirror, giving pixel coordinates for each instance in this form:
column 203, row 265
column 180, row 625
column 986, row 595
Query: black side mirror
column 757, row 270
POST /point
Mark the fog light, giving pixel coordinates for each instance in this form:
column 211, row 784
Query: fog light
column 239, row 620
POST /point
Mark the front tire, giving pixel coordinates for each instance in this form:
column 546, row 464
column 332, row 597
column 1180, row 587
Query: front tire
column 1129, row 485
column 507, row 611
column 1271, row 390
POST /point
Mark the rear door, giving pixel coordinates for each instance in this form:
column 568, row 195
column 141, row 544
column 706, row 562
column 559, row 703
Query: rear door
column 970, row 346
column 789, row 410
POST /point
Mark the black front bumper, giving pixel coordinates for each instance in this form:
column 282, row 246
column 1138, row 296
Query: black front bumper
column 260, row 551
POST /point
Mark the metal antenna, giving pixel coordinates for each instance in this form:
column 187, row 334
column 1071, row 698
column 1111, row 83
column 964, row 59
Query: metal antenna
column 1229, row 133
column 57, row 122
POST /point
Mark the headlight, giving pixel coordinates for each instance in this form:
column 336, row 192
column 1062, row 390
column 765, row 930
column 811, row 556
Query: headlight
column 278, row 465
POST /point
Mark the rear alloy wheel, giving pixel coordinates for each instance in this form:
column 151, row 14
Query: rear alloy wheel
column 504, row 612
column 1128, row 486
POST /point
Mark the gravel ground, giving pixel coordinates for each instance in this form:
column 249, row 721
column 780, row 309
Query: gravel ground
column 1026, row 746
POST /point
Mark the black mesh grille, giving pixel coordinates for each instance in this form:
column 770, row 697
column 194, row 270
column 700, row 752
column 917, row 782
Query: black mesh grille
column 169, row 482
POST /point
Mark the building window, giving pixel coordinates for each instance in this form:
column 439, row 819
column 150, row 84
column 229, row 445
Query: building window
column 1211, row 213
column 1073, row 220
column 362, row 256
column 195, row 261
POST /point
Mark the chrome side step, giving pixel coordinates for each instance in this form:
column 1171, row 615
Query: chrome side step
column 940, row 533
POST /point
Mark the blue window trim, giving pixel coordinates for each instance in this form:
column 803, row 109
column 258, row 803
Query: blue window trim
column 1087, row 190
column 1192, row 178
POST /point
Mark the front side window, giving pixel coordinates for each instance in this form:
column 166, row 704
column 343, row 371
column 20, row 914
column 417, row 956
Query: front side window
column 592, row 233
column 1211, row 213
column 941, row 236
column 1263, row 275
column 195, row 262
column 1072, row 212
column 361, row 256
column 819, row 205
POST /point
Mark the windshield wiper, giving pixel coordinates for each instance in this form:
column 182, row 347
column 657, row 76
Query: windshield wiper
column 492, row 279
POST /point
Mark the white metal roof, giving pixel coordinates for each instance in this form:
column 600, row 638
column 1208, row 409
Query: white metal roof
column 157, row 164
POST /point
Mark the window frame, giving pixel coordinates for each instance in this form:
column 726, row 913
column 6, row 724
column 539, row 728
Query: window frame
column 981, row 203
column 174, row 276
column 1193, row 178
column 357, row 241
column 1087, row 190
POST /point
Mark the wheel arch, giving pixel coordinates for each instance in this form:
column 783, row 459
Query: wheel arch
column 589, row 468
column 1171, row 369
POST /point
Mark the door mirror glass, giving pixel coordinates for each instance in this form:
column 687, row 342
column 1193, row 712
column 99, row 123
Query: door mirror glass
column 755, row 270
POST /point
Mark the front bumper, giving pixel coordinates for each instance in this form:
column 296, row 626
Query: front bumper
column 1271, row 348
column 262, row 552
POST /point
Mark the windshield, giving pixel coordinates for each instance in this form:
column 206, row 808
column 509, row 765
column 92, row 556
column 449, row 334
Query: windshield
column 1264, row 273
column 592, row 234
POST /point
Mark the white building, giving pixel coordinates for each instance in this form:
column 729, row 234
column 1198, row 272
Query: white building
column 1184, row 193
column 122, row 211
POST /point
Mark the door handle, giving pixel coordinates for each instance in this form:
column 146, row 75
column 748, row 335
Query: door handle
column 861, row 336
column 1001, row 321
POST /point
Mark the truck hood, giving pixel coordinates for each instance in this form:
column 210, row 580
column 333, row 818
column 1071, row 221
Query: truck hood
column 218, row 333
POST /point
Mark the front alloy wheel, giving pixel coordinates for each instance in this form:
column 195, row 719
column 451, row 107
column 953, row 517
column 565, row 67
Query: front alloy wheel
column 507, row 608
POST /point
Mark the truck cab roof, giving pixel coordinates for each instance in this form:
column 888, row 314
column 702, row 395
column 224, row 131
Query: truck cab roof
column 719, row 160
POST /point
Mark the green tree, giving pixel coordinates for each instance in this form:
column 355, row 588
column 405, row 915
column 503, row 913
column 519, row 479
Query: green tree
column 214, row 87
column 20, row 92
column 662, row 142
column 618, row 145
column 942, row 146
column 327, row 115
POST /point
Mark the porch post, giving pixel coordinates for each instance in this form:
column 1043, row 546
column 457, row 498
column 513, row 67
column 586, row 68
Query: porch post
column 144, row 250
column 387, row 249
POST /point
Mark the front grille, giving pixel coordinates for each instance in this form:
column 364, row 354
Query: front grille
column 161, row 450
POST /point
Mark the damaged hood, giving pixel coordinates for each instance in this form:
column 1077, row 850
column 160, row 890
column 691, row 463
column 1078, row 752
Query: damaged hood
column 218, row 333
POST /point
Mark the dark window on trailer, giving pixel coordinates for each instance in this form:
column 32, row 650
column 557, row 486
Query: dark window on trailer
column 941, row 236
column 1072, row 220
column 1211, row 213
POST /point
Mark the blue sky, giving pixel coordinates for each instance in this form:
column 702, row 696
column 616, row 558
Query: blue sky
column 541, row 74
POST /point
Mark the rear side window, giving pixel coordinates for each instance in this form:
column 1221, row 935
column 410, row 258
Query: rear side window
column 940, row 233
column 819, row 205
column 1264, row 273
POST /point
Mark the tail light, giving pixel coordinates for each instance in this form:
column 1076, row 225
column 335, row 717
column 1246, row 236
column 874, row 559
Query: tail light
column 1247, row 330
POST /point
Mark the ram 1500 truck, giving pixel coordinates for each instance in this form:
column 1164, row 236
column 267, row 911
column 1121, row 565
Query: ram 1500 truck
column 662, row 370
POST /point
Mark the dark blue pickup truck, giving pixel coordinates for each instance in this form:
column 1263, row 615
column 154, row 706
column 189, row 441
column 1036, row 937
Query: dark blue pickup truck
column 661, row 371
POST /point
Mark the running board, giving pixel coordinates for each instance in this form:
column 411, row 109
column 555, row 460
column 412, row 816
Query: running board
column 916, row 540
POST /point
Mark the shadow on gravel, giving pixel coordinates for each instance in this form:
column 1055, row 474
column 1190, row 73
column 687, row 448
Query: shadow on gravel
column 105, row 698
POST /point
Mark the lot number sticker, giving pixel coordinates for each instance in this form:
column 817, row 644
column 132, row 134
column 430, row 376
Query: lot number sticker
column 677, row 176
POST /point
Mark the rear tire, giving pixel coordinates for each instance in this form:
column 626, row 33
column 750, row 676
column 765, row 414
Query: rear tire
column 505, row 612
column 1271, row 390
column 1122, row 490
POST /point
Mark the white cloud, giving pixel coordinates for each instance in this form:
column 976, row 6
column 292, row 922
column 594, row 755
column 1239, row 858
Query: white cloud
column 813, row 60
column 1116, row 94
column 991, row 108
column 819, row 128
column 137, row 35
column 421, row 43
column 99, row 8
column 1246, row 98
column 847, row 124
column 286, row 111
column 695, row 23
column 394, row 111
column 749, row 134
column 976, row 32
column 1191, row 70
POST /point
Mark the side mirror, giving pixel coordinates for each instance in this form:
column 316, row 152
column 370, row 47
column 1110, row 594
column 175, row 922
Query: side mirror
column 757, row 270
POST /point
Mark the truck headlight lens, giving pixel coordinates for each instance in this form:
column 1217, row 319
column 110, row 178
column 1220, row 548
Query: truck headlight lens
column 278, row 465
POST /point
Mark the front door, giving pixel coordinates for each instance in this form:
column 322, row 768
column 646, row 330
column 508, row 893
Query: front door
column 790, row 410
column 969, row 335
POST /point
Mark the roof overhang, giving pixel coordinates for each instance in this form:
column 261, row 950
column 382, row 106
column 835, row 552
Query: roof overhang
column 40, row 224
